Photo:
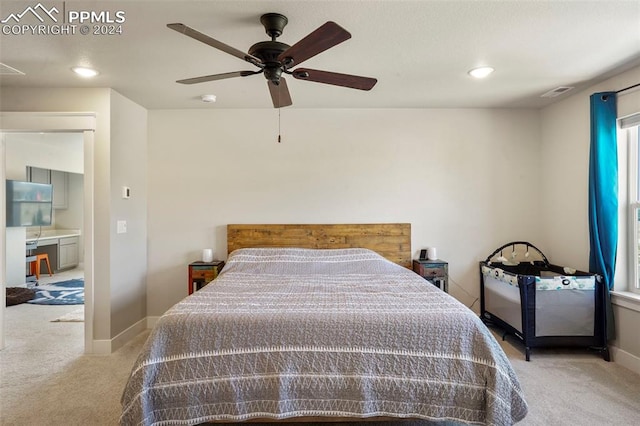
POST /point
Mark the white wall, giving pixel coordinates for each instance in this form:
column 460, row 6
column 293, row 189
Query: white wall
column 564, row 191
column 15, row 243
column 15, row 237
column 467, row 180
column 56, row 151
column 128, row 252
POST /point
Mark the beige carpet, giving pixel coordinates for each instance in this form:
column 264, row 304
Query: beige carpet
column 46, row 380
column 73, row 316
column 575, row 387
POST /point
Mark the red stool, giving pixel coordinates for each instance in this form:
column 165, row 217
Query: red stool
column 35, row 265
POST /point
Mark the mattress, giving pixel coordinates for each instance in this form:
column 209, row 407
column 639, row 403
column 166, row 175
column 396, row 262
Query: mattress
column 285, row 333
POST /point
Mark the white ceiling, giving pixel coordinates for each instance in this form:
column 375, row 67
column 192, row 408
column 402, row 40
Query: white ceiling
column 420, row 51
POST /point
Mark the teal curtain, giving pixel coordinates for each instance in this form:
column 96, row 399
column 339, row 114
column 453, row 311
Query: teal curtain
column 603, row 186
column 603, row 193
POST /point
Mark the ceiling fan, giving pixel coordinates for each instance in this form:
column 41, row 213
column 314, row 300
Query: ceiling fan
column 274, row 59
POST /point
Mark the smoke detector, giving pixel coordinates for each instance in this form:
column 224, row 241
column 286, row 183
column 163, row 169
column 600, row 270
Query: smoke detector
column 208, row 98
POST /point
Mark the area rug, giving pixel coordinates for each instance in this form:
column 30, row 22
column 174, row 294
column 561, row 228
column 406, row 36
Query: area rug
column 69, row 292
column 73, row 316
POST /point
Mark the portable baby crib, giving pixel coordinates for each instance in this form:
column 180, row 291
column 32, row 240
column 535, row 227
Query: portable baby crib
column 542, row 304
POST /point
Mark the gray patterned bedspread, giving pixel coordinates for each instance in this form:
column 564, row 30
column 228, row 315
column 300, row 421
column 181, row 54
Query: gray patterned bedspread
column 342, row 333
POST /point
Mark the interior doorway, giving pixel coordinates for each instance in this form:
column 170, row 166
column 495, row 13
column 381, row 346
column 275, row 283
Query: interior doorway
column 84, row 125
column 57, row 159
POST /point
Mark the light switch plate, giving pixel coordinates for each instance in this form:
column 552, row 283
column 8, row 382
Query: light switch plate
column 121, row 227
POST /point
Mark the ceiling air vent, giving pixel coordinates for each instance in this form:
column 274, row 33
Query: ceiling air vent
column 556, row 92
column 7, row 70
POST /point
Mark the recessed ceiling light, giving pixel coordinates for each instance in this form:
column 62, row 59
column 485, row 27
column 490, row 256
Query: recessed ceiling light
column 481, row 72
column 85, row 72
column 208, row 98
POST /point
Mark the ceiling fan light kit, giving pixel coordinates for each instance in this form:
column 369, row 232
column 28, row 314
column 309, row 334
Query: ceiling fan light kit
column 275, row 59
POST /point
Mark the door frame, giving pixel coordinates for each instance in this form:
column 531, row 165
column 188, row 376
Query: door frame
column 65, row 122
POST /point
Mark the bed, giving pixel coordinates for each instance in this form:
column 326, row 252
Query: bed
column 320, row 334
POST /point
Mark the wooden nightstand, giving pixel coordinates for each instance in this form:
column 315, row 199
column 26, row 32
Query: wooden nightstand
column 201, row 273
column 436, row 271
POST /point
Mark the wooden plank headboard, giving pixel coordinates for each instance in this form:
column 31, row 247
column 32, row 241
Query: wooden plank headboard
column 391, row 240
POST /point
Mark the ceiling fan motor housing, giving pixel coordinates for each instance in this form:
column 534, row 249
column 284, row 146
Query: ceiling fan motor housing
column 268, row 52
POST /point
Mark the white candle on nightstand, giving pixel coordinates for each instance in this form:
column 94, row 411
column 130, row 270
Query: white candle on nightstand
column 207, row 255
column 431, row 253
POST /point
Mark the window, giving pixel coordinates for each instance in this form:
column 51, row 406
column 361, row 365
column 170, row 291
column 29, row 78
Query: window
column 633, row 138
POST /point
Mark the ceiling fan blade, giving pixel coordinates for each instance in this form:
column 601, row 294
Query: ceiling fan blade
column 213, row 77
column 326, row 36
column 279, row 93
column 197, row 35
column 334, row 78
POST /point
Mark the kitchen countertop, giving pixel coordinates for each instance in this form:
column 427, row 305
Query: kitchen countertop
column 52, row 234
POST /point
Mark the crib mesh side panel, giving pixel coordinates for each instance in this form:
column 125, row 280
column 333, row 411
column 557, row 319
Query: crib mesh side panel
column 565, row 305
column 503, row 300
column 565, row 313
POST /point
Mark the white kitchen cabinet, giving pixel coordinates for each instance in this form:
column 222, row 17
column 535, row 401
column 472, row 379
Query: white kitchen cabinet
column 68, row 256
column 60, row 182
column 38, row 175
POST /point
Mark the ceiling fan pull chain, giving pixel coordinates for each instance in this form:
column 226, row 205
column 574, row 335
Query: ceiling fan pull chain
column 279, row 109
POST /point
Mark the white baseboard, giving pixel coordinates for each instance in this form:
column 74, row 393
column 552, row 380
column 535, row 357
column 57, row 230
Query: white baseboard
column 625, row 359
column 106, row 347
column 100, row 347
column 151, row 321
